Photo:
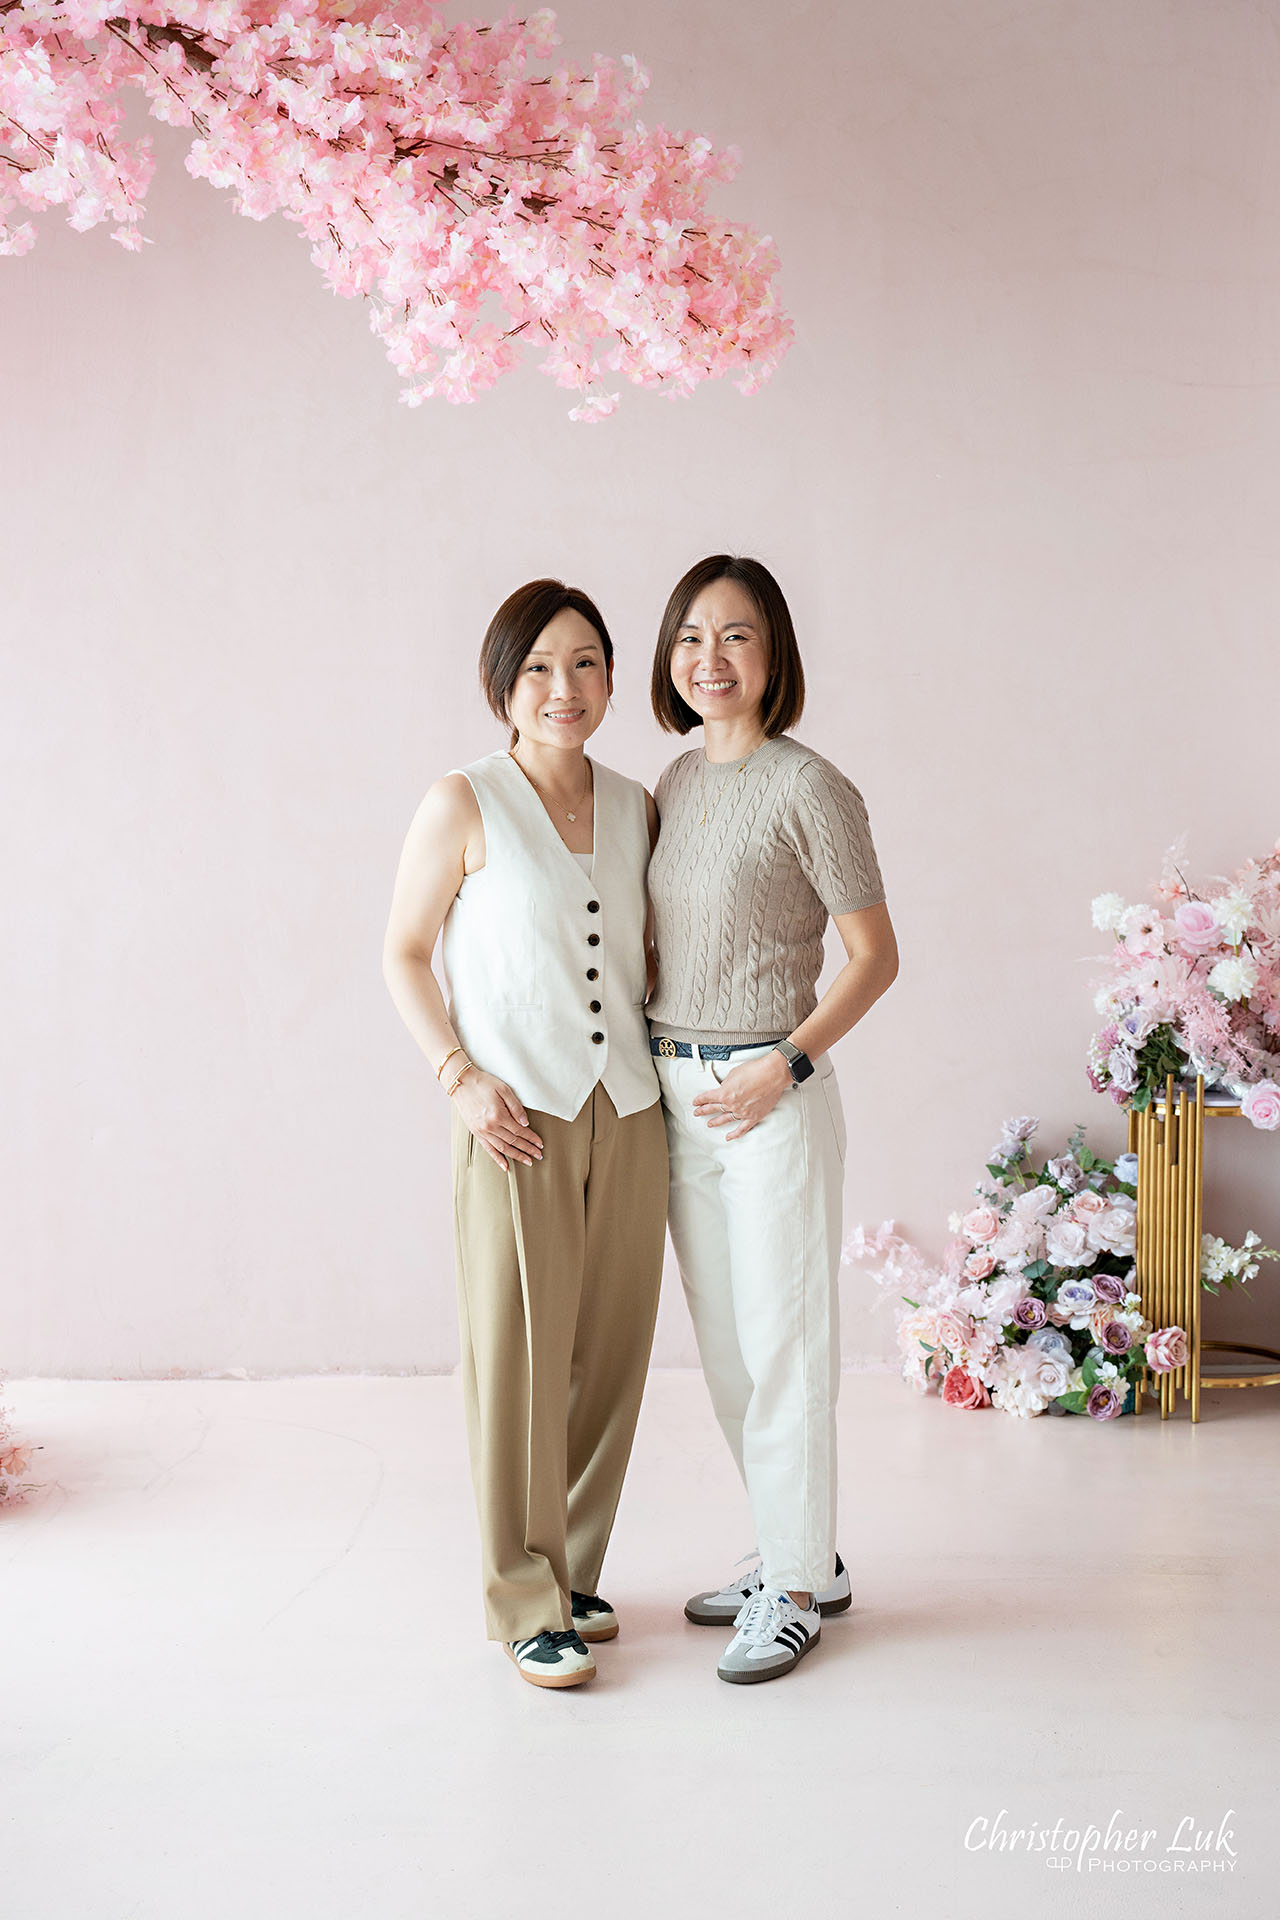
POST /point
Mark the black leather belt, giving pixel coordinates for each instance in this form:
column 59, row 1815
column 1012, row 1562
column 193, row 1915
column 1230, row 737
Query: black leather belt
column 681, row 1049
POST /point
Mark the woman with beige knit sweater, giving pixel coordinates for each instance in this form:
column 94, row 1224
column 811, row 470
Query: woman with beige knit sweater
column 761, row 841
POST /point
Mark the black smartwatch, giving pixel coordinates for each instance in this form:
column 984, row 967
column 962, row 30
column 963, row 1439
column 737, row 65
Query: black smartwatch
column 800, row 1064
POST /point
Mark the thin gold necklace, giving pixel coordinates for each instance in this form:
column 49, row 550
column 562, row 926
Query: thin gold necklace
column 586, row 788
column 702, row 785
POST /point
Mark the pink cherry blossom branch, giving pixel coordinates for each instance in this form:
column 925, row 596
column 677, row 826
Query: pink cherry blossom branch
column 467, row 199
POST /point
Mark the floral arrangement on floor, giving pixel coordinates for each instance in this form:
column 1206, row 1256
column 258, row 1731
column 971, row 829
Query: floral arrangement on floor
column 438, row 170
column 15, row 1463
column 1032, row 1307
column 1193, row 987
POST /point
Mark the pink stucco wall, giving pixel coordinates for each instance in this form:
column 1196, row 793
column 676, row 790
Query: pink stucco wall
column 1019, row 477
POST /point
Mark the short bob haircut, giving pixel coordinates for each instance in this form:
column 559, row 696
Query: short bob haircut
column 783, row 700
column 514, row 629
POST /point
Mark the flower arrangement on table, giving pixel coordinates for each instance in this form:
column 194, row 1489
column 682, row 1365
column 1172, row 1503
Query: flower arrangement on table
column 1193, row 987
column 1032, row 1306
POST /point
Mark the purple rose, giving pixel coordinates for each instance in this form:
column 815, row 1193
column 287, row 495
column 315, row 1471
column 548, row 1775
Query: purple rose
column 1104, row 1402
column 1067, row 1171
column 1030, row 1313
column 1110, row 1288
column 1114, row 1337
column 1122, row 1065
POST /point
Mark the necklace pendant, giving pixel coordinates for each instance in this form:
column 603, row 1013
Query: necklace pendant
column 571, row 816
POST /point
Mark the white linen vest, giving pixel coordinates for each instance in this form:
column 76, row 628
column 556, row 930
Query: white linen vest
column 545, row 963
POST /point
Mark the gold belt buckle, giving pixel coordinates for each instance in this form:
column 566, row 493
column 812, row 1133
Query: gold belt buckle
column 667, row 1049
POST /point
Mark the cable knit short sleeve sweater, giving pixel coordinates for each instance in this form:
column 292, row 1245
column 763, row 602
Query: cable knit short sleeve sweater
column 741, row 898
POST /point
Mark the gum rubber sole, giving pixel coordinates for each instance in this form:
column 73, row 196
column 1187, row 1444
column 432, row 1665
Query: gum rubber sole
column 600, row 1633
column 704, row 1618
column 772, row 1673
column 551, row 1679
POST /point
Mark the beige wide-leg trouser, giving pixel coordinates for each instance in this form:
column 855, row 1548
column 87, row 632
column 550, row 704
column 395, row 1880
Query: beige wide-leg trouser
column 558, row 1272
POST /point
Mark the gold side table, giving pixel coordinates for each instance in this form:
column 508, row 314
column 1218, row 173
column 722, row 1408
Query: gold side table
column 1168, row 1138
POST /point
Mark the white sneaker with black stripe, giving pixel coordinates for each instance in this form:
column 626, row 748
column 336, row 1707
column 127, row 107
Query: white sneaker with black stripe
column 552, row 1659
column 773, row 1635
column 593, row 1618
column 721, row 1607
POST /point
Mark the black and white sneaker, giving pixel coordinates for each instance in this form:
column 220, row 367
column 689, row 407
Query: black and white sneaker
column 722, row 1607
column 593, row 1618
column 552, row 1659
column 773, row 1635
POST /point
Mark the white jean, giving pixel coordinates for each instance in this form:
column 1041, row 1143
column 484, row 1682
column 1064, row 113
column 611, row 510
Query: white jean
column 756, row 1226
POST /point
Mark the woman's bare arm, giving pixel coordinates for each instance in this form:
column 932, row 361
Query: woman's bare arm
column 445, row 842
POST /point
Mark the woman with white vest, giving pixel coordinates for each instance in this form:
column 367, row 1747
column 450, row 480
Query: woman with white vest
column 532, row 861
column 762, row 841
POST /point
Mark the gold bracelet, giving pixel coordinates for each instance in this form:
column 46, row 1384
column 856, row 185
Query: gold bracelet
column 464, row 1068
column 448, row 1057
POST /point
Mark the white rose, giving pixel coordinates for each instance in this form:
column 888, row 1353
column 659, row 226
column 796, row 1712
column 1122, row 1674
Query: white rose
column 1049, row 1372
column 1036, row 1203
column 1114, row 1231
column 1067, row 1244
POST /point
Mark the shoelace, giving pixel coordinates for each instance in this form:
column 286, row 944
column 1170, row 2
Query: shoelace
column 751, row 1560
column 563, row 1637
column 760, row 1617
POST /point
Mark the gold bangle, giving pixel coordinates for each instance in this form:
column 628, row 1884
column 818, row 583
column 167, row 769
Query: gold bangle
column 464, row 1068
column 448, row 1057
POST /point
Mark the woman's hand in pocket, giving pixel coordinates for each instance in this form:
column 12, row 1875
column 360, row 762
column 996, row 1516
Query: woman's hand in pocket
column 492, row 1110
column 747, row 1095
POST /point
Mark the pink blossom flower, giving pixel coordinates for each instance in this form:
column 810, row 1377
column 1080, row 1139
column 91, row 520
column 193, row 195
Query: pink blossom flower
column 474, row 202
column 1142, row 930
column 979, row 1265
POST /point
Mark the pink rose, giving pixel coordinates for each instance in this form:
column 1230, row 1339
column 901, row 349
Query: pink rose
column 1086, row 1203
column 960, row 1389
column 1166, row 1349
column 1197, row 927
column 979, row 1265
column 954, row 1330
column 982, row 1224
column 1261, row 1104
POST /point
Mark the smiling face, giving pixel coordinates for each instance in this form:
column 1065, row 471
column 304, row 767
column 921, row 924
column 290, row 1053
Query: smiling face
column 562, row 689
column 720, row 659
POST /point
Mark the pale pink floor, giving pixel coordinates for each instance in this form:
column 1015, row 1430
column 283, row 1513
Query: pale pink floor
column 244, row 1673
